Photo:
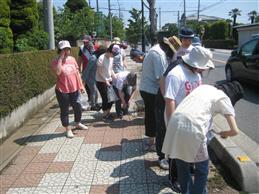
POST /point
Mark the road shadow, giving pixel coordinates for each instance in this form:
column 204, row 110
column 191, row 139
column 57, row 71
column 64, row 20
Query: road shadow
column 38, row 138
column 140, row 176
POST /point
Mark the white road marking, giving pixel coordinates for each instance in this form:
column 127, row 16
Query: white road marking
column 219, row 61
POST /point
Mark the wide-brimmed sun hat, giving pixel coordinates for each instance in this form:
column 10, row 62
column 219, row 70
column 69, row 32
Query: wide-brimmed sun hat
column 63, row 44
column 173, row 42
column 199, row 57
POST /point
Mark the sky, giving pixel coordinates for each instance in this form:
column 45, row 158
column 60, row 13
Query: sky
column 169, row 8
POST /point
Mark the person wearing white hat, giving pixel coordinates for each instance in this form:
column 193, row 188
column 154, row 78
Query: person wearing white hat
column 68, row 86
column 181, row 81
column 189, row 128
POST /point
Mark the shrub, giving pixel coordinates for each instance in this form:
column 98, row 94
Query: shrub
column 220, row 44
column 24, row 76
column 6, row 40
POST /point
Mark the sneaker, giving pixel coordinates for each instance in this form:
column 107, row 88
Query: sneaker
column 175, row 186
column 70, row 134
column 81, row 126
column 164, row 164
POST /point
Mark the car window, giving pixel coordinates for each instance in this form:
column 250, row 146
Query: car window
column 256, row 49
column 248, row 48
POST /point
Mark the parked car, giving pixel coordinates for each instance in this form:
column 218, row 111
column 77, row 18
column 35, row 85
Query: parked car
column 243, row 64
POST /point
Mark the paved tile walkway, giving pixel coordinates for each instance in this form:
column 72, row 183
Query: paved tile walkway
column 106, row 158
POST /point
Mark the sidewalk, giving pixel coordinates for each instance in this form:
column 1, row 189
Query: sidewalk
column 106, row 158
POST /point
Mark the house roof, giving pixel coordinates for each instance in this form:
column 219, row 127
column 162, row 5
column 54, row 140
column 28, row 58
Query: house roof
column 247, row 25
column 203, row 18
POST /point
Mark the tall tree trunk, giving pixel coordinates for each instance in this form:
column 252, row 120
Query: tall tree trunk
column 153, row 20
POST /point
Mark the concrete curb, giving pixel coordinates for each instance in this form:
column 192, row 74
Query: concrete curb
column 246, row 173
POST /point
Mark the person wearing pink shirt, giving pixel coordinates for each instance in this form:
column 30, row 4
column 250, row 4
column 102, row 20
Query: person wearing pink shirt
column 68, row 86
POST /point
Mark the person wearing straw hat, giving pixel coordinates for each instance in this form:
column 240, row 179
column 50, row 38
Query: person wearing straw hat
column 68, row 86
column 189, row 127
column 174, row 44
column 154, row 64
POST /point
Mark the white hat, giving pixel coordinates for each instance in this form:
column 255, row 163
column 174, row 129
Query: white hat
column 63, row 44
column 199, row 58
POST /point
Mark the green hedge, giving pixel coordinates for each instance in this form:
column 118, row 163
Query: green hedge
column 24, row 76
column 220, row 44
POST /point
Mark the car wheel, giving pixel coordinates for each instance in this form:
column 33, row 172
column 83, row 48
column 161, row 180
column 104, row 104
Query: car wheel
column 229, row 74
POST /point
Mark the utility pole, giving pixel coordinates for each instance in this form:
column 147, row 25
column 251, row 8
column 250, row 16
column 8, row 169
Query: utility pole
column 48, row 22
column 159, row 18
column 198, row 14
column 142, row 27
column 184, row 12
column 153, row 20
column 89, row 2
column 97, row 6
column 178, row 21
column 110, row 17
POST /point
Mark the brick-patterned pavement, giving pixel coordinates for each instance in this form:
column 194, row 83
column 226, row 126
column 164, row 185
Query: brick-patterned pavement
column 107, row 158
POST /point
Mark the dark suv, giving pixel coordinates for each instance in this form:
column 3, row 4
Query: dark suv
column 243, row 64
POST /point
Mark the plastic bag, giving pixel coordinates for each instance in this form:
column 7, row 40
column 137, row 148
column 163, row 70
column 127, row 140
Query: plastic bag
column 111, row 95
column 83, row 101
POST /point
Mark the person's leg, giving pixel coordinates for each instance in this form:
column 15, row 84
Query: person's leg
column 88, row 91
column 76, row 106
column 150, row 122
column 63, row 101
column 160, row 124
column 103, row 92
column 127, row 94
column 118, row 104
column 200, row 177
column 184, row 176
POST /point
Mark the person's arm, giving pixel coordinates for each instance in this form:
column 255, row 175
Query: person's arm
column 79, row 62
column 121, row 95
column 169, row 108
column 233, row 127
column 162, row 85
column 57, row 69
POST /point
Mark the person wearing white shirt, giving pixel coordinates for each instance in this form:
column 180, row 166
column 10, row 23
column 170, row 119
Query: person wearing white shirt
column 188, row 126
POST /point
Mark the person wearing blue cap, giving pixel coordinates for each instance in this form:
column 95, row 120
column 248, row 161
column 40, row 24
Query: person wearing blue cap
column 186, row 36
column 137, row 55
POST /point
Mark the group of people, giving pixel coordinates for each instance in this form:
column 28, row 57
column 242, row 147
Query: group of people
column 98, row 69
column 179, row 108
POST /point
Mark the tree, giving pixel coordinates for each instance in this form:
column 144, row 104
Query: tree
column 6, row 36
column 24, row 16
column 256, row 19
column 234, row 13
column 252, row 15
column 117, row 27
column 71, row 26
column 171, row 28
column 153, row 20
column 76, row 5
column 220, row 30
column 133, row 32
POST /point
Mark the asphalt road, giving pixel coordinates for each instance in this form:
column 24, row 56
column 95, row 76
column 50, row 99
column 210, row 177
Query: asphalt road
column 247, row 109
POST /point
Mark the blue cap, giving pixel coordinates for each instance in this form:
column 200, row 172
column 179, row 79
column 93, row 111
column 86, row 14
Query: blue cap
column 186, row 33
column 136, row 53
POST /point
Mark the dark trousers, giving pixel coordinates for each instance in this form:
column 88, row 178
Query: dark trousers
column 172, row 170
column 64, row 100
column 160, row 124
column 102, row 87
column 119, row 110
column 150, row 121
